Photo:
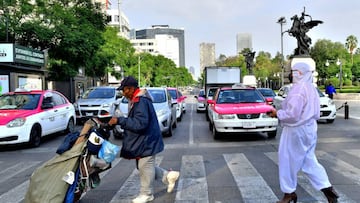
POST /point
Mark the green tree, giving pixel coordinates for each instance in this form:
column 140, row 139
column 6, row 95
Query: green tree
column 351, row 44
column 69, row 30
column 324, row 50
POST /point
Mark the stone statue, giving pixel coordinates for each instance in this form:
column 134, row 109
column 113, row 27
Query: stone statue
column 299, row 29
column 249, row 57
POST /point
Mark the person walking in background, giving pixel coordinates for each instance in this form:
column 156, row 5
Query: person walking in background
column 330, row 90
column 143, row 140
column 298, row 117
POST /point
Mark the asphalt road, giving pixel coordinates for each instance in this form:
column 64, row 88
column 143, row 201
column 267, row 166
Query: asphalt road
column 235, row 169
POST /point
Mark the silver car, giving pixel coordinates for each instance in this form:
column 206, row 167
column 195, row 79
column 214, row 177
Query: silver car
column 164, row 106
column 96, row 102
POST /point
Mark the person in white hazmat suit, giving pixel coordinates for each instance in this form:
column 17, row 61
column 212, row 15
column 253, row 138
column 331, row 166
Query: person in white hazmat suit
column 298, row 117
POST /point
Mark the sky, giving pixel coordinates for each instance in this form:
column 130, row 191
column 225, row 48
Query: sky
column 219, row 21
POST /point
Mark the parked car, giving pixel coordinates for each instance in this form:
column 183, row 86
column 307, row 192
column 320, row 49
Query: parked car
column 240, row 109
column 181, row 105
column 28, row 115
column 327, row 105
column 165, row 108
column 201, row 101
column 96, row 102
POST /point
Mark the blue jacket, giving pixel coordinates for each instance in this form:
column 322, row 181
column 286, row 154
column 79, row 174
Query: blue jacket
column 142, row 135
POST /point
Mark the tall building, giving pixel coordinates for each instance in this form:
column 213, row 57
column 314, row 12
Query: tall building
column 243, row 40
column 207, row 55
column 113, row 17
column 166, row 47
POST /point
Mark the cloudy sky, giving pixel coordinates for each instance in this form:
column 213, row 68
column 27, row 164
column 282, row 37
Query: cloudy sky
column 218, row 21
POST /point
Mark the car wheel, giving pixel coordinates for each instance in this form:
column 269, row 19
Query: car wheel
column 169, row 132
column 35, row 136
column 272, row 134
column 175, row 124
column 70, row 126
column 330, row 120
column 180, row 117
column 215, row 133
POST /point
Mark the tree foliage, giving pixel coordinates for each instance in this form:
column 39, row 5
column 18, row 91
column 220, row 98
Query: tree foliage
column 69, row 30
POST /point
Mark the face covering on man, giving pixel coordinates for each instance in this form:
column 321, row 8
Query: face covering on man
column 301, row 72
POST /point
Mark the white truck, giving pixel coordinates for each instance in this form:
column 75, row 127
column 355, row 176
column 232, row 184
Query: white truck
column 219, row 76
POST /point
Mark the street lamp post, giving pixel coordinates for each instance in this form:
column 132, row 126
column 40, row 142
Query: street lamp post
column 139, row 69
column 339, row 63
column 282, row 21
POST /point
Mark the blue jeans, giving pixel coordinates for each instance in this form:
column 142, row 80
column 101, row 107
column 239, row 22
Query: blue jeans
column 148, row 172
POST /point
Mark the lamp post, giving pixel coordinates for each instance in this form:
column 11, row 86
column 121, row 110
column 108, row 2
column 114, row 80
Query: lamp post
column 282, row 21
column 339, row 63
column 139, row 69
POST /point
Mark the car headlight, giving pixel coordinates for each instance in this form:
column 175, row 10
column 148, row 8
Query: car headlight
column 331, row 102
column 226, row 116
column 161, row 112
column 16, row 122
column 106, row 105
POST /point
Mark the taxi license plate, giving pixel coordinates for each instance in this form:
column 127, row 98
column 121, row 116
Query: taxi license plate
column 89, row 114
column 249, row 125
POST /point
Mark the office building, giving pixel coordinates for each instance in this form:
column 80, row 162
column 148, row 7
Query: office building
column 207, row 55
column 243, row 41
column 164, row 42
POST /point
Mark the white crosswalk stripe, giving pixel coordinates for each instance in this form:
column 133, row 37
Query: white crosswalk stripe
column 252, row 186
column 130, row 189
column 193, row 186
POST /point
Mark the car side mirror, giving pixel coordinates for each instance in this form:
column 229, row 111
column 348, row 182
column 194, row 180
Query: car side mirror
column 47, row 105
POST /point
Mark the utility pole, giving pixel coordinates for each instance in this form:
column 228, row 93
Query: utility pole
column 120, row 24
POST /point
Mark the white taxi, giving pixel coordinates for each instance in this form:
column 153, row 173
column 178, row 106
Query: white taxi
column 240, row 109
column 28, row 115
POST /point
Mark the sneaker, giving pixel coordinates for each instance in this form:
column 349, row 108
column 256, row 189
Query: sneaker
column 143, row 199
column 172, row 177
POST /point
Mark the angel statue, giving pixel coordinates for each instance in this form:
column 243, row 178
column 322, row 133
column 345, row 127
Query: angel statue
column 299, row 29
column 249, row 58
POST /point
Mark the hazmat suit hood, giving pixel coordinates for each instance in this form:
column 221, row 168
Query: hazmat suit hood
column 301, row 72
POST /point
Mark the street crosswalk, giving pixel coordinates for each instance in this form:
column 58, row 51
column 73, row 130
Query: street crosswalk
column 193, row 184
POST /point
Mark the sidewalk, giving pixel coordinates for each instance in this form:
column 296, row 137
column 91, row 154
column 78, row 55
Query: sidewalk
column 347, row 96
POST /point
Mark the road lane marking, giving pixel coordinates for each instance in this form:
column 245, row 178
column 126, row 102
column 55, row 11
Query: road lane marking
column 131, row 187
column 252, row 186
column 191, row 134
column 192, row 184
column 16, row 169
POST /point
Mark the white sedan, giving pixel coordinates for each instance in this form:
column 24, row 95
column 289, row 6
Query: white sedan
column 327, row 106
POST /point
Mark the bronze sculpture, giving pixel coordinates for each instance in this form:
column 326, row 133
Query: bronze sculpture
column 249, row 58
column 299, row 29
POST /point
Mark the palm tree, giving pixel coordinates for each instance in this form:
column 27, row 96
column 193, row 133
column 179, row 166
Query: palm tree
column 351, row 44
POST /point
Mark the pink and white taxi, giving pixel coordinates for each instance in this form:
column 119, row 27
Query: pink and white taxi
column 28, row 115
column 240, row 109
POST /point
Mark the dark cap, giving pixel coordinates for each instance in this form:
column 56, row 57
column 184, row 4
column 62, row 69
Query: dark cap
column 128, row 82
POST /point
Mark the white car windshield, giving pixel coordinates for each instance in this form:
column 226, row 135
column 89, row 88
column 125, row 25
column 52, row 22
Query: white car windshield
column 99, row 93
column 158, row 96
column 239, row 96
column 19, row 101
